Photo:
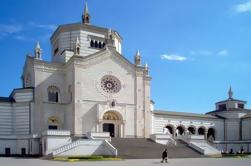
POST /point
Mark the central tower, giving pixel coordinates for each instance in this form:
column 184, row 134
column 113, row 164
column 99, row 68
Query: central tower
column 89, row 38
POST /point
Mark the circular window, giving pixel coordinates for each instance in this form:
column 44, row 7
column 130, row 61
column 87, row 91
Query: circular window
column 110, row 84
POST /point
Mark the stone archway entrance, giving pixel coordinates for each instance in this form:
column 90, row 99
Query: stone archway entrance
column 112, row 122
column 109, row 127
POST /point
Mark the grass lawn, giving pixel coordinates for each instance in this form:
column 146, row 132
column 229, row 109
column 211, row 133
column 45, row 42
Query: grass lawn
column 86, row 158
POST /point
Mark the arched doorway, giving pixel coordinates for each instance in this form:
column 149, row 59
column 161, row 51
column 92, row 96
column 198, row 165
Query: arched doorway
column 112, row 123
column 180, row 131
column 191, row 130
column 211, row 134
column 169, row 129
column 201, row 131
column 109, row 127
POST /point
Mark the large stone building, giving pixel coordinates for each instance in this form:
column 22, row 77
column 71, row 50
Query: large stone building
column 89, row 89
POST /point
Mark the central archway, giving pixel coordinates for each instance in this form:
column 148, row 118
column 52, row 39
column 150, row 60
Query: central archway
column 112, row 121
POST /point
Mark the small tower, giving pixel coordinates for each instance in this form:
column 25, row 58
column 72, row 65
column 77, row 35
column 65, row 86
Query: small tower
column 38, row 51
column 77, row 47
column 146, row 68
column 86, row 16
column 230, row 93
column 137, row 59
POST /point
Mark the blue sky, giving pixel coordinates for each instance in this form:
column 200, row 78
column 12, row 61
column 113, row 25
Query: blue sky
column 195, row 49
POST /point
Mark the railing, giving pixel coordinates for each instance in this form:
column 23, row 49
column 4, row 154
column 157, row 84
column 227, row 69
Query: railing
column 99, row 135
column 56, row 133
column 163, row 139
column 74, row 144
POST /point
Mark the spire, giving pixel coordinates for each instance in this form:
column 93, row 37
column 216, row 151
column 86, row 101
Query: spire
column 146, row 69
column 230, row 93
column 38, row 51
column 137, row 59
column 77, row 47
column 86, row 16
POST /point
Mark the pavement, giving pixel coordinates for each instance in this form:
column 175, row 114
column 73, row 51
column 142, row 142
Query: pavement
column 131, row 162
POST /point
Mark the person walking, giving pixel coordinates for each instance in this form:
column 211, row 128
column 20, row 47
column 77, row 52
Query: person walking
column 164, row 156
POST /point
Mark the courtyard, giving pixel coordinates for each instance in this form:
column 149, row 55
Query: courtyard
column 145, row 162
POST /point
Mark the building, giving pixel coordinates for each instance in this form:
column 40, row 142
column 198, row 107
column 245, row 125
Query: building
column 90, row 92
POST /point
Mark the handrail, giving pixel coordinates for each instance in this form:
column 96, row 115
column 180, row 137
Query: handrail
column 74, row 144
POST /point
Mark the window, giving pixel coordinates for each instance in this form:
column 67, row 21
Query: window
column 23, row 151
column 97, row 44
column 55, row 51
column 7, row 151
column 222, row 107
column 92, row 43
column 53, row 94
column 52, row 127
column 240, row 105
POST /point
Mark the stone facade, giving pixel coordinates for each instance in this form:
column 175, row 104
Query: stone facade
column 89, row 86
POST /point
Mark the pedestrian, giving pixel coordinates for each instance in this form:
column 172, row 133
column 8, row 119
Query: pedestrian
column 164, row 156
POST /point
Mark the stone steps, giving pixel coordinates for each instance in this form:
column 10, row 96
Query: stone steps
column 139, row 148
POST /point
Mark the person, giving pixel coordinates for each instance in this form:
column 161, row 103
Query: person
column 164, row 156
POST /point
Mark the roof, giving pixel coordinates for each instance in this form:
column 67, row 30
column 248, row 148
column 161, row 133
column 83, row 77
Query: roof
column 231, row 99
column 246, row 116
column 78, row 26
column 185, row 114
column 6, row 99
column 230, row 110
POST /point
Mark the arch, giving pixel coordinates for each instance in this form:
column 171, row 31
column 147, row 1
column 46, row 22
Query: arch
column 191, row 130
column 99, row 45
column 180, row 130
column 92, row 43
column 170, row 128
column 211, row 134
column 112, row 115
column 53, row 93
column 201, row 130
column 96, row 44
column 53, row 123
column 103, row 45
column 112, row 122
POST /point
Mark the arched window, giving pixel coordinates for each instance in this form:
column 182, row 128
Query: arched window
column 92, row 43
column 191, row 130
column 96, row 44
column 103, row 45
column 53, row 123
column 53, row 94
column 201, row 131
column 100, row 45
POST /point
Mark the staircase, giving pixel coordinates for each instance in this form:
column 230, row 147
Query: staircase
column 139, row 148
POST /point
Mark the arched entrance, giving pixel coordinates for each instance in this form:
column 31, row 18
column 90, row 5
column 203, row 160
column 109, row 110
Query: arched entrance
column 211, row 134
column 180, row 131
column 169, row 129
column 112, row 122
column 201, row 131
column 109, row 127
column 191, row 130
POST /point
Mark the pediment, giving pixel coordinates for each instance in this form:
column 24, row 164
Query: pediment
column 103, row 55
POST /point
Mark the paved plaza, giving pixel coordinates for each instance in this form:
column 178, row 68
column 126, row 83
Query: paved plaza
column 134, row 162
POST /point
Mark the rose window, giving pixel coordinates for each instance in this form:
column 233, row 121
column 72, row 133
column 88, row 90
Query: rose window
column 110, row 84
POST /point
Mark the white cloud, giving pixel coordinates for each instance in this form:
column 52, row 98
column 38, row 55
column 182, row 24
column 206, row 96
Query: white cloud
column 43, row 26
column 173, row 57
column 223, row 52
column 243, row 7
column 7, row 29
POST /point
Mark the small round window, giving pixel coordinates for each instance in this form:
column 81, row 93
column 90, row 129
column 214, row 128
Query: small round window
column 110, row 84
